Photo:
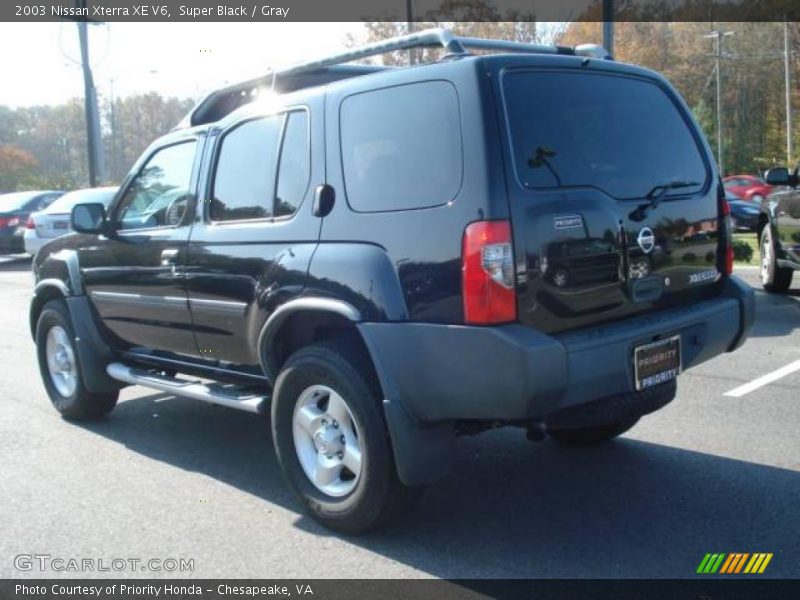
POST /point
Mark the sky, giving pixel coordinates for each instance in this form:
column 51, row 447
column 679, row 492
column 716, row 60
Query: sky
column 37, row 60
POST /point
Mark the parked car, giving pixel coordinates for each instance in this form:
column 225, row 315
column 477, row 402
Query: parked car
column 779, row 231
column 53, row 221
column 363, row 257
column 14, row 211
column 748, row 187
column 744, row 215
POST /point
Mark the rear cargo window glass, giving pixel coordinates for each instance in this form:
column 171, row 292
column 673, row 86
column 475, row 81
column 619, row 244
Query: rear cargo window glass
column 401, row 147
column 619, row 134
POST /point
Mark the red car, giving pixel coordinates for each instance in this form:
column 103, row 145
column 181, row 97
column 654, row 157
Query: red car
column 747, row 187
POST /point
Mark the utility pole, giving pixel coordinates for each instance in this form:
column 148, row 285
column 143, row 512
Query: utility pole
column 94, row 141
column 718, row 35
column 412, row 55
column 608, row 26
column 787, row 59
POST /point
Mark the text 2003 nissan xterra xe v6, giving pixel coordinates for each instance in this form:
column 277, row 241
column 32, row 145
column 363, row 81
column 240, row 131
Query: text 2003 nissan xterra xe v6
column 384, row 258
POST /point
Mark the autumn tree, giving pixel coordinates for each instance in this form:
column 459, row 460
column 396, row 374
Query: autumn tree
column 16, row 165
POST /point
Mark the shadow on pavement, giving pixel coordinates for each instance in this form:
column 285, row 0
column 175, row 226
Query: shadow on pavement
column 776, row 314
column 516, row 509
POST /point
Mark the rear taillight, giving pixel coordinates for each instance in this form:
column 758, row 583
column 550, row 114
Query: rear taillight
column 8, row 222
column 29, row 224
column 726, row 238
column 487, row 272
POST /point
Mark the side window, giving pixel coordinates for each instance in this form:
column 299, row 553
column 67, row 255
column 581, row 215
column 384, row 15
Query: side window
column 294, row 170
column 401, row 147
column 159, row 195
column 244, row 183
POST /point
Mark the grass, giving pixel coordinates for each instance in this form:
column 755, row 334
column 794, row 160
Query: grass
column 752, row 241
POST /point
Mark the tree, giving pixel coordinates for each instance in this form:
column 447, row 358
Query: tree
column 16, row 165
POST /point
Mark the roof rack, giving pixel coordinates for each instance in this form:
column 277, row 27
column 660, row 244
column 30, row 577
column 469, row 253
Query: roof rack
column 332, row 68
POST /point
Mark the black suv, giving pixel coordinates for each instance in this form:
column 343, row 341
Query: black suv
column 779, row 231
column 384, row 258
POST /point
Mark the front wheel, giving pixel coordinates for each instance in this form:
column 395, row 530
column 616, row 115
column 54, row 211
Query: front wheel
column 60, row 367
column 773, row 278
column 590, row 436
column 331, row 439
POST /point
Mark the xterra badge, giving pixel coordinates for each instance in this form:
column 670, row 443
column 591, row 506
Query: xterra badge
column 568, row 221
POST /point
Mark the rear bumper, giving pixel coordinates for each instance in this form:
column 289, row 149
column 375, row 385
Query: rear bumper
column 11, row 243
column 33, row 243
column 446, row 372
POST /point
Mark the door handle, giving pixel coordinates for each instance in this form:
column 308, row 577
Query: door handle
column 169, row 256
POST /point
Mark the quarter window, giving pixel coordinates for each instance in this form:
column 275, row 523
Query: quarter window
column 160, row 194
column 295, row 166
column 401, row 147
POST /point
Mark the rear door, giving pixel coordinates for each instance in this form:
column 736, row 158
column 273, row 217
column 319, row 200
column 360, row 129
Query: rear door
column 135, row 277
column 250, row 249
column 613, row 201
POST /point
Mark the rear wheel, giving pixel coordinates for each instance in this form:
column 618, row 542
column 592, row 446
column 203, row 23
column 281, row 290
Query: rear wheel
column 331, row 439
column 589, row 436
column 773, row 278
column 59, row 365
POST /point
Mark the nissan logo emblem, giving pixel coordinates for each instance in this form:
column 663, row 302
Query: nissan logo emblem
column 647, row 240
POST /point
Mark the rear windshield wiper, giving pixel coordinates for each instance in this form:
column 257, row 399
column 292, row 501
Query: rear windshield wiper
column 655, row 196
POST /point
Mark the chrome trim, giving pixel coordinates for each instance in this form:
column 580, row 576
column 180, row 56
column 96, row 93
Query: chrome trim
column 125, row 298
column 195, row 390
column 222, row 306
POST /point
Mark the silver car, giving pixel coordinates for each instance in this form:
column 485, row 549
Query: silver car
column 53, row 221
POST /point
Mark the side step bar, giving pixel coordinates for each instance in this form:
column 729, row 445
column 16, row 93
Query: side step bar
column 214, row 393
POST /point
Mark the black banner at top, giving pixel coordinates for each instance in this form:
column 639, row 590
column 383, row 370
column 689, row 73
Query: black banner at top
column 398, row 10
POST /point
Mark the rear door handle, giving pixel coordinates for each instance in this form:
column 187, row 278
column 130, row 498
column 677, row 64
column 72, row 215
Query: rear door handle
column 169, row 256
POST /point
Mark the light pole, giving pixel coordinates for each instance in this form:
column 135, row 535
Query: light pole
column 94, row 141
column 719, row 35
column 608, row 26
column 787, row 57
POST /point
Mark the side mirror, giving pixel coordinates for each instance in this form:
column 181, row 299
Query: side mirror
column 780, row 176
column 89, row 218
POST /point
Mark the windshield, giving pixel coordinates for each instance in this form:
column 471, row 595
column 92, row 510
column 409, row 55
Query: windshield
column 67, row 201
column 10, row 202
column 620, row 134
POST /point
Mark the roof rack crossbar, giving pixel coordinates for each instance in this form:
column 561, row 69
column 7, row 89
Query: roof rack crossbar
column 427, row 38
column 509, row 46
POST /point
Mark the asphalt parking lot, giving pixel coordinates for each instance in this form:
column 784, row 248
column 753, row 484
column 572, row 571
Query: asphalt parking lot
column 172, row 478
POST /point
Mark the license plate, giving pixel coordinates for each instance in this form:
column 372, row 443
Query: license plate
column 657, row 363
column 60, row 225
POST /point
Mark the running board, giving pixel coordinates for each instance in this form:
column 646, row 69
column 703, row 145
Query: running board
column 215, row 393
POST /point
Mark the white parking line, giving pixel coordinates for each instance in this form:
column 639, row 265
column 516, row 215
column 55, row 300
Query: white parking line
column 764, row 380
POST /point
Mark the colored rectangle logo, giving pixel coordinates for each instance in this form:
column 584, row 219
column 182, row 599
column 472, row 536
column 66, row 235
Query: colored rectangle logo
column 734, row 563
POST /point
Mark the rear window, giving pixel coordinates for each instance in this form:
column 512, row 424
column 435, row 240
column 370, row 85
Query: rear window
column 622, row 135
column 401, row 147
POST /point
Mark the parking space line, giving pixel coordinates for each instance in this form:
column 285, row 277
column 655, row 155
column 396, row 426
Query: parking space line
column 764, row 380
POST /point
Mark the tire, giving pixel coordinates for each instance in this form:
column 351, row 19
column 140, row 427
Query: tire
column 55, row 340
column 591, row 436
column 774, row 279
column 327, row 405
